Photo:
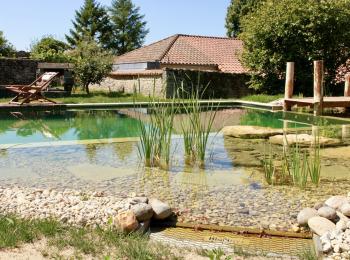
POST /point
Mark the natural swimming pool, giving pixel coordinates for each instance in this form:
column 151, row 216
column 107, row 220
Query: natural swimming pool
column 97, row 150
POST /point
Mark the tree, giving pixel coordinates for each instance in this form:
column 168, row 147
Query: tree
column 129, row 28
column 91, row 63
column 6, row 48
column 295, row 30
column 236, row 10
column 91, row 21
column 49, row 49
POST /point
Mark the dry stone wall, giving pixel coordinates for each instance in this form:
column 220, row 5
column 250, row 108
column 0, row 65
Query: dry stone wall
column 144, row 85
column 16, row 71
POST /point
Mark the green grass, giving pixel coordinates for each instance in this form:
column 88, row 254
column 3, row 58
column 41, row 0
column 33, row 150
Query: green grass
column 104, row 244
column 262, row 98
column 95, row 97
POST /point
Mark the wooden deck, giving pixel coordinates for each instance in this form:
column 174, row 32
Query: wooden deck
column 327, row 102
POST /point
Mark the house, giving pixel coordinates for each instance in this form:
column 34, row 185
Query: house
column 150, row 69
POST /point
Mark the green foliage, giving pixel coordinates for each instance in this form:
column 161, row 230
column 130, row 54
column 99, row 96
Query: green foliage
column 128, row 27
column 296, row 165
column 295, row 30
column 91, row 63
column 6, row 48
column 49, row 49
column 236, row 10
column 91, row 22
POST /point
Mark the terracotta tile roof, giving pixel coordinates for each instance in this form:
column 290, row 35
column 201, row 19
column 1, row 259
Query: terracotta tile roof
column 152, row 52
column 191, row 50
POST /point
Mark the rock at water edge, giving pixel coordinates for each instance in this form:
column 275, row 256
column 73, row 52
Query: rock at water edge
column 250, row 132
column 320, row 225
column 161, row 210
column 142, row 211
column 305, row 214
column 327, row 212
column 336, row 202
column 126, row 221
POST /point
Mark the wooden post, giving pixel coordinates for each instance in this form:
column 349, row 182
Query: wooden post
column 289, row 86
column 347, row 89
column 347, row 85
column 318, row 87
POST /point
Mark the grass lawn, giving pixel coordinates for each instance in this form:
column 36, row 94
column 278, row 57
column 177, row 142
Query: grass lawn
column 103, row 244
column 95, row 97
column 262, row 98
column 118, row 97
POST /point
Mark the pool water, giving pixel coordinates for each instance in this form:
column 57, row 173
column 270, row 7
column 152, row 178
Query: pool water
column 230, row 190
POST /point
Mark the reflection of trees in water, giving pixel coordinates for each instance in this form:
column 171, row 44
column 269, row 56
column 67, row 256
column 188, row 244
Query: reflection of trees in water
column 87, row 124
column 104, row 124
column 123, row 150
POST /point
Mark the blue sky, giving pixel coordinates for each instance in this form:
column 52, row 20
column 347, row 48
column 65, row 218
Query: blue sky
column 24, row 21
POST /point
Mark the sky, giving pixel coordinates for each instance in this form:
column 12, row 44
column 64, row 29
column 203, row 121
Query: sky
column 24, row 21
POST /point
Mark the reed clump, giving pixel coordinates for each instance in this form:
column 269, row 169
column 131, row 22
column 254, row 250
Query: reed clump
column 296, row 166
column 156, row 135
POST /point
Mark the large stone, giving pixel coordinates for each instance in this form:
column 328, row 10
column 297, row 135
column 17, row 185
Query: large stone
column 126, row 221
column 142, row 211
column 327, row 212
column 302, row 140
column 161, row 210
column 320, row 225
column 250, row 132
column 345, row 209
column 305, row 214
column 336, row 202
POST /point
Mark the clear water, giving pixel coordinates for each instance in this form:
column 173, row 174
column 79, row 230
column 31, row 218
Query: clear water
column 96, row 124
column 231, row 183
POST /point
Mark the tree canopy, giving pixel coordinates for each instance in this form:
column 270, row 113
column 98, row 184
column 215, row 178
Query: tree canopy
column 49, row 49
column 91, row 63
column 92, row 22
column 235, row 11
column 295, row 30
column 6, row 48
column 128, row 26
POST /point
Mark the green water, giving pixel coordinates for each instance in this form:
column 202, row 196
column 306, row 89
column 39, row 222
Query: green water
column 104, row 124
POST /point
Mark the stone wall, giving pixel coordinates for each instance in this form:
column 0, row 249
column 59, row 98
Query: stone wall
column 16, row 72
column 143, row 84
column 221, row 85
column 216, row 84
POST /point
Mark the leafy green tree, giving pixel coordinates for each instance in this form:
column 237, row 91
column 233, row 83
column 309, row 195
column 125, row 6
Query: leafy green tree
column 91, row 21
column 6, row 48
column 236, row 10
column 295, row 30
column 49, row 49
column 91, row 63
column 129, row 27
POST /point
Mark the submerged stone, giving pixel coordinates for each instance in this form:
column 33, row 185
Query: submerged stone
column 250, row 132
column 303, row 140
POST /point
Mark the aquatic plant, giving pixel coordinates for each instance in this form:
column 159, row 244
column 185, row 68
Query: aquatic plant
column 155, row 137
column 297, row 165
column 314, row 163
column 269, row 168
column 196, row 132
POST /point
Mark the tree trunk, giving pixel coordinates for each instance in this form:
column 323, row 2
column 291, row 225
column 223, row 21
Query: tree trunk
column 87, row 89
